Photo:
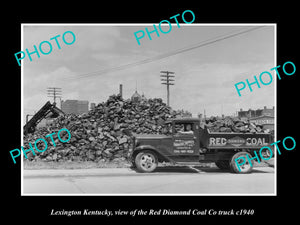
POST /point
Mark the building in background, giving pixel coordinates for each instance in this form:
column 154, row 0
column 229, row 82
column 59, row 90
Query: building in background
column 76, row 107
column 267, row 122
column 268, row 112
column 255, row 113
column 136, row 97
column 264, row 117
column 143, row 98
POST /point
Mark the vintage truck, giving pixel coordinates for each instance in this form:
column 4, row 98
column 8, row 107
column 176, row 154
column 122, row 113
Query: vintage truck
column 196, row 146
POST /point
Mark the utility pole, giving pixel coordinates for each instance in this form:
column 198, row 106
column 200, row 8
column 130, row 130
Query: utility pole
column 54, row 92
column 121, row 90
column 165, row 77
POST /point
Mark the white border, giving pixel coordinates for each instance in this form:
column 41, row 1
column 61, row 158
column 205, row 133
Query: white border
column 22, row 110
column 151, row 24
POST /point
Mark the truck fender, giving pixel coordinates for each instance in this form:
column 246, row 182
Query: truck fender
column 151, row 148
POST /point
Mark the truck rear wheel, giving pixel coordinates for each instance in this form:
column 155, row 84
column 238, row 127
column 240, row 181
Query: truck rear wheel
column 223, row 164
column 146, row 161
column 244, row 168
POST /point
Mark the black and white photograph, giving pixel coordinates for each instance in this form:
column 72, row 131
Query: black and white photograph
column 150, row 115
column 161, row 117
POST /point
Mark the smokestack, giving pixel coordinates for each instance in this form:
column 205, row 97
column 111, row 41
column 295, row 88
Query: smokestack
column 121, row 90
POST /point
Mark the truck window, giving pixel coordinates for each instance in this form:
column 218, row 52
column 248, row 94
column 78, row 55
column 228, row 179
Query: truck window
column 167, row 130
column 184, row 128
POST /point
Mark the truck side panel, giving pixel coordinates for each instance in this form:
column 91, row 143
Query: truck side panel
column 223, row 140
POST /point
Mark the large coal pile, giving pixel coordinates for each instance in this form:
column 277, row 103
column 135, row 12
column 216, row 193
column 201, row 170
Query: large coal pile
column 104, row 133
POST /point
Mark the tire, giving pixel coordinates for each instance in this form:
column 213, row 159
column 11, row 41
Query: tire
column 245, row 168
column 223, row 164
column 146, row 161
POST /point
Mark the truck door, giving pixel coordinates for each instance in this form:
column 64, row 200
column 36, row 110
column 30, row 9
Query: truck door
column 185, row 139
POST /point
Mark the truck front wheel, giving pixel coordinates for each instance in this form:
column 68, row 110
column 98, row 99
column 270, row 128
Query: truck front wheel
column 146, row 161
column 242, row 168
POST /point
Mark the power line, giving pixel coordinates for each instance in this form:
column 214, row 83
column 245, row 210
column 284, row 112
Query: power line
column 165, row 55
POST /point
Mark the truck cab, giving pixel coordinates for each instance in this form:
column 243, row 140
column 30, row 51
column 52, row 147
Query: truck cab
column 190, row 144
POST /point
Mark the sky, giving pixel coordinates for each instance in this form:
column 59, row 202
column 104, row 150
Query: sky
column 93, row 66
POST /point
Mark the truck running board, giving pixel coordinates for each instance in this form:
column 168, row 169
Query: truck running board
column 189, row 163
